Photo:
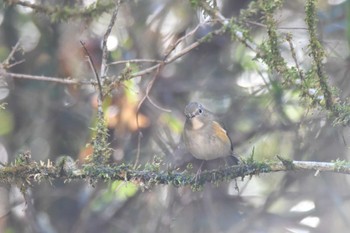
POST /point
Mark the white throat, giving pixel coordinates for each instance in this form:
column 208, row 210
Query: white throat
column 196, row 123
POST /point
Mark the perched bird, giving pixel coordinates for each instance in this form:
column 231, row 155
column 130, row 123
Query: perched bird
column 204, row 137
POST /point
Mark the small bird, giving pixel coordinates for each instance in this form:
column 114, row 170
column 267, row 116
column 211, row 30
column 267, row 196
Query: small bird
column 204, row 137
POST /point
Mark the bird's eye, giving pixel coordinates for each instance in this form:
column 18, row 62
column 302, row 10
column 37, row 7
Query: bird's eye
column 200, row 110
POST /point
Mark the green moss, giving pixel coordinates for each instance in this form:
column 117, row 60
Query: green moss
column 195, row 3
column 340, row 165
column 101, row 150
column 317, row 52
column 286, row 162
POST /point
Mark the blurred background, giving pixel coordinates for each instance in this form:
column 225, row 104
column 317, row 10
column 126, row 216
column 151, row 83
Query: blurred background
column 260, row 113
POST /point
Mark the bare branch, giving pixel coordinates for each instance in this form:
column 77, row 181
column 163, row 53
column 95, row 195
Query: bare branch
column 138, row 150
column 279, row 28
column 145, row 71
column 46, row 78
column 6, row 62
column 104, row 65
column 156, row 105
column 134, row 61
column 224, row 21
column 92, row 65
column 176, row 56
column 172, row 47
column 148, row 89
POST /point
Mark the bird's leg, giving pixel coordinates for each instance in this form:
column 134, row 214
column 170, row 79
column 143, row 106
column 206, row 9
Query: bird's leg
column 230, row 161
column 199, row 171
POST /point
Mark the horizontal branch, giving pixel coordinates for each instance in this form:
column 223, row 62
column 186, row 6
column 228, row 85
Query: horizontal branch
column 59, row 12
column 46, row 78
column 34, row 172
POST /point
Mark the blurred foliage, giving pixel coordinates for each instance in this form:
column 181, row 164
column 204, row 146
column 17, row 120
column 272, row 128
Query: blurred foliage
column 6, row 122
column 275, row 72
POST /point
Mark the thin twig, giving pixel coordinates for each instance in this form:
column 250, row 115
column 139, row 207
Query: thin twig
column 104, row 65
column 6, row 62
column 279, row 28
column 176, row 56
column 145, row 71
column 156, row 105
column 134, row 61
column 15, row 63
column 172, row 47
column 138, row 150
column 46, row 78
column 158, row 68
column 148, row 89
column 92, row 65
column 294, row 56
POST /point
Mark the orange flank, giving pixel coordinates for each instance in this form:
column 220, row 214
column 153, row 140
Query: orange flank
column 220, row 132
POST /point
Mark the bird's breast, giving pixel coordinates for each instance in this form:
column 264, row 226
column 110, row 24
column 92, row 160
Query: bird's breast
column 205, row 145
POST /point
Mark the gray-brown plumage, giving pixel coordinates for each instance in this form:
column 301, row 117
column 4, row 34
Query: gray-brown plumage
column 204, row 137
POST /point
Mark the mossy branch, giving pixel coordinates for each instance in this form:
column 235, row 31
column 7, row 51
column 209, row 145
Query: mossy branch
column 317, row 52
column 314, row 84
column 63, row 13
column 33, row 172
